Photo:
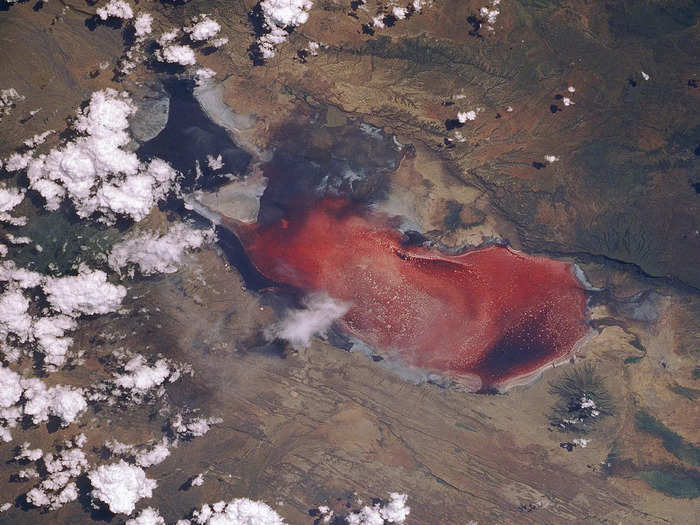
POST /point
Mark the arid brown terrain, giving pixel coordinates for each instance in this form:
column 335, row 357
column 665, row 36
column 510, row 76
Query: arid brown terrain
column 323, row 426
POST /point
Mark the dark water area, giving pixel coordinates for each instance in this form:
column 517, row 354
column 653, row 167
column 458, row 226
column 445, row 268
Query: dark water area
column 189, row 137
column 518, row 348
column 313, row 161
column 236, row 256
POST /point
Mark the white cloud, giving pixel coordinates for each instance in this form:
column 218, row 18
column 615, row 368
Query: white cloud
column 86, row 293
column 10, row 198
column 463, row 116
column 148, row 516
column 195, row 427
column 14, row 316
column 141, row 377
column 419, row 4
column 38, row 498
column 143, row 24
column 26, row 474
column 27, row 453
column 490, row 14
column 378, row 22
column 285, row 13
column 298, row 326
column 120, row 486
column 214, row 163
column 63, row 401
column 37, row 139
column 399, row 12
column 153, row 253
column 95, row 171
column 204, row 28
column 57, row 487
column 10, row 387
column 18, row 161
column 240, row 511
column 68, row 494
column 9, row 272
column 115, row 9
column 168, row 36
column 197, row 481
column 13, row 239
column 50, row 335
column 551, row 158
column 10, row 393
column 119, row 449
column 394, row 511
column 136, row 380
column 278, row 15
column 204, row 74
column 218, row 42
column 132, row 196
column 153, row 456
column 177, row 54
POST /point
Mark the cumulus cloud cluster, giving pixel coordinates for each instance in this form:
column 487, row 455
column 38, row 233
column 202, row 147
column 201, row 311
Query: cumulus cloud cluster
column 136, row 379
column 490, row 14
column 239, row 511
column 151, row 252
column 120, row 485
column 10, row 198
column 68, row 297
column 60, row 470
column 148, row 516
column 32, row 399
column 177, row 54
column 191, row 427
column 394, row 510
column 87, row 293
column 115, row 9
column 143, row 25
column 95, row 171
column 202, row 28
column 389, row 13
column 141, row 456
column 174, row 50
column 278, row 17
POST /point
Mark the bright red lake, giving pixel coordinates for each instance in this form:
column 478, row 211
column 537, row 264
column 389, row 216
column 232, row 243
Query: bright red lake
column 492, row 313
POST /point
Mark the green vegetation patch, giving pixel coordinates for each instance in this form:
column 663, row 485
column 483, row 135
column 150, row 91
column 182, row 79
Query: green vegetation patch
column 672, row 442
column 674, row 485
column 60, row 243
column 684, row 391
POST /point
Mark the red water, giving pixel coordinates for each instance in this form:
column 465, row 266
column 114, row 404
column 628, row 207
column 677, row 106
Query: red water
column 494, row 312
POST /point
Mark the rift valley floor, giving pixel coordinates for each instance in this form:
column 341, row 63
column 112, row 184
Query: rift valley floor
column 330, row 425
